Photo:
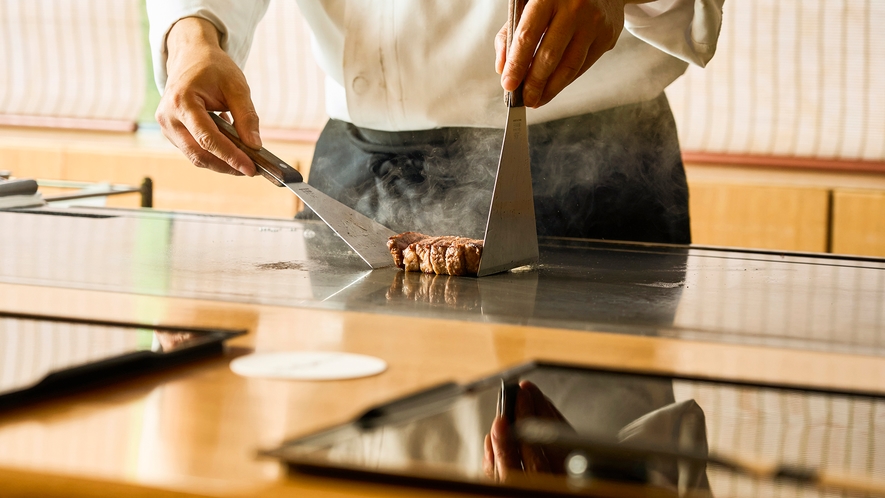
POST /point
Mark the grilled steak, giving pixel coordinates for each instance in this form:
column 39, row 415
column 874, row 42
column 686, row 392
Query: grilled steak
column 399, row 243
column 447, row 255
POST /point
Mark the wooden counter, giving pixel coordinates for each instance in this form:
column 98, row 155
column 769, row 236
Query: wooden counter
column 194, row 431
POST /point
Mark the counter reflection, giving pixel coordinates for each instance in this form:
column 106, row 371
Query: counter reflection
column 644, row 432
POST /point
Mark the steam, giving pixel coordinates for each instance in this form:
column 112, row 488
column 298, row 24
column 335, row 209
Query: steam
column 437, row 189
column 614, row 174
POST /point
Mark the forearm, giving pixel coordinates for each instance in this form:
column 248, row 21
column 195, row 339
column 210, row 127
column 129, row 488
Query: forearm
column 200, row 76
column 189, row 36
column 234, row 22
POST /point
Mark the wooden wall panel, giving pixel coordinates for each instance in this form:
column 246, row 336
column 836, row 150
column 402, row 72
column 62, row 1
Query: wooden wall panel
column 127, row 159
column 178, row 185
column 755, row 216
column 43, row 162
column 729, row 206
column 859, row 222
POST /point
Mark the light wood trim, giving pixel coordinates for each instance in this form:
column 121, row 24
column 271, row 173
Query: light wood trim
column 781, row 177
column 791, row 162
column 118, row 125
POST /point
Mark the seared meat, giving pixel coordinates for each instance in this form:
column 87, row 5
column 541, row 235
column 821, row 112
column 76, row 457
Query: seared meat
column 447, row 255
column 398, row 243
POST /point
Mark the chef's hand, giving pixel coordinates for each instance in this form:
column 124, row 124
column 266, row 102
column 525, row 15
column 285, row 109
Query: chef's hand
column 170, row 341
column 202, row 77
column 569, row 35
column 503, row 454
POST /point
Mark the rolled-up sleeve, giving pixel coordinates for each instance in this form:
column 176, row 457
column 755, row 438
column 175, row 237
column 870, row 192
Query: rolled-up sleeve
column 686, row 29
column 234, row 19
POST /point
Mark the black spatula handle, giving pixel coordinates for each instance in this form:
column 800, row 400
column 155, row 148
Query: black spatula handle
column 514, row 13
column 17, row 187
column 270, row 166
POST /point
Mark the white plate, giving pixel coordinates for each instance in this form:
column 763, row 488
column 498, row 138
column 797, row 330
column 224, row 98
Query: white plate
column 308, row 365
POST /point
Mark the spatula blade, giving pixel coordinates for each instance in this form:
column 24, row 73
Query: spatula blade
column 365, row 236
column 511, row 238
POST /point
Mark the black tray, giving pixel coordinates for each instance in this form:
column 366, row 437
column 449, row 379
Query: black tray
column 48, row 356
column 422, row 439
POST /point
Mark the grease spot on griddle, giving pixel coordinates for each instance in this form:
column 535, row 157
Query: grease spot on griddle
column 664, row 285
column 282, row 265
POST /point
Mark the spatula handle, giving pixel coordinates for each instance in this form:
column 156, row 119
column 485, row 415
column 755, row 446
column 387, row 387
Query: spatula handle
column 514, row 13
column 18, row 187
column 270, row 166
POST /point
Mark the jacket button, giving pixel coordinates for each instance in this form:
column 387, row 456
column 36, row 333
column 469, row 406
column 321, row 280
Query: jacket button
column 360, row 85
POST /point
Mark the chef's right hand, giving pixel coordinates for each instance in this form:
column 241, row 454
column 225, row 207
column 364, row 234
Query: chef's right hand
column 202, row 77
column 503, row 455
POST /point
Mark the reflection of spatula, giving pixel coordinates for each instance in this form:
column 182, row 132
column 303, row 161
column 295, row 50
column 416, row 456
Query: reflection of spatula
column 365, row 236
column 511, row 238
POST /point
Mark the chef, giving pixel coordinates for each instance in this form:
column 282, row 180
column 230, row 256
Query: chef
column 414, row 94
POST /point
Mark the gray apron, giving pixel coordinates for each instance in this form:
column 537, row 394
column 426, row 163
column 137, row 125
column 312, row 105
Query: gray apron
column 615, row 174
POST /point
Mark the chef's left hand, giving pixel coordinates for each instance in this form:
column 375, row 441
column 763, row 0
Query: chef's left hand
column 569, row 35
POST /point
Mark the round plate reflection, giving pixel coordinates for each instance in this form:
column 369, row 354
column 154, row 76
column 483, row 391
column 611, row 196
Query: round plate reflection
column 308, row 365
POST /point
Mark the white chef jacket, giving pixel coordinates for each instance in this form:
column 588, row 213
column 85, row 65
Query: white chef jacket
column 399, row 65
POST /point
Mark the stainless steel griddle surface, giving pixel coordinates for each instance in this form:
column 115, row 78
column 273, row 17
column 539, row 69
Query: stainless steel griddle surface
column 803, row 301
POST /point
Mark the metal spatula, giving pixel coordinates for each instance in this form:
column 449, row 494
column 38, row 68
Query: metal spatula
column 365, row 236
column 511, row 238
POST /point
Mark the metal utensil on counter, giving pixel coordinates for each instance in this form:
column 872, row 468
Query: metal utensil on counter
column 365, row 236
column 17, row 187
column 511, row 238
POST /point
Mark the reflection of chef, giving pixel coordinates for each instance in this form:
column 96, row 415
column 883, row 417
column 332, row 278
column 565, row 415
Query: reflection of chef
column 502, row 454
column 633, row 408
column 678, row 426
column 416, row 105
column 172, row 340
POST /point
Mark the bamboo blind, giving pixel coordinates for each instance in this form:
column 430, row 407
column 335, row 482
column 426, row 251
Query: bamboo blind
column 287, row 84
column 802, row 78
column 792, row 78
column 844, row 434
column 71, row 63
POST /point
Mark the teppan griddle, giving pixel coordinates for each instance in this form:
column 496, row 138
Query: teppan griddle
column 819, row 302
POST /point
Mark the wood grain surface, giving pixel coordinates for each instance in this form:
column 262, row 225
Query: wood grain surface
column 859, row 222
column 195, row 430
column 757, row 216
